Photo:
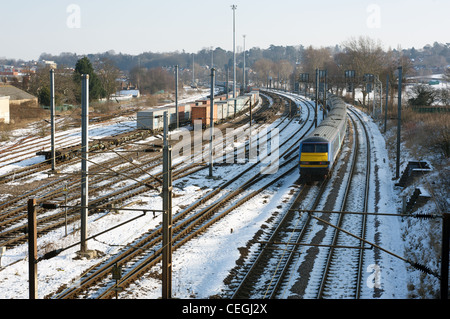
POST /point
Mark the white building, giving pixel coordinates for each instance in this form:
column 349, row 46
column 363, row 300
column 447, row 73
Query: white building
column 4, row 109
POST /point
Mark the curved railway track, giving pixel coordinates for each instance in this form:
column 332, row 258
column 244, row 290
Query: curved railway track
column 35, row 143
column 269, row 273
column 338, row 270
column 311, row 250
column 13, row 220
column 187, row 224
column 11, row 235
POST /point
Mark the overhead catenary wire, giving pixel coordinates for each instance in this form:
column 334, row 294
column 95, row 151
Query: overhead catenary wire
column 121, row 174
column 414, row 264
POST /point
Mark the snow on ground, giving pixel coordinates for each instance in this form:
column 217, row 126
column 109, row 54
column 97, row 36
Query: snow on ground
column 193, row 271
column 422, row 237
column 384, row 230
column 200, row 266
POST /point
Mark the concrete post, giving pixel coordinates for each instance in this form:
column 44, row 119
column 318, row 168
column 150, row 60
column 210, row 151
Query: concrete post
column 317, row 98
column 234, row 49
column 445, row 257
column 84, row 158
column 167, row 215
column 32, row 249
column 52, row 116
column 399, row 121
column 386, row 107
column 176, row 97
column 211, row 124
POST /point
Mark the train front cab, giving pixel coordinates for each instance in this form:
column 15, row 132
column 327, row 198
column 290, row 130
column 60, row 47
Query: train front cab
column 314, row 161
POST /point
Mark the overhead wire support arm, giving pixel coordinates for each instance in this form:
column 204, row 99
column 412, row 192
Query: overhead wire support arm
column 56, row 252
column 414, row 264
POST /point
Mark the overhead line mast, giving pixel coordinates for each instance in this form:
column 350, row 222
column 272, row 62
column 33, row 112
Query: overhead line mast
column 234, row 7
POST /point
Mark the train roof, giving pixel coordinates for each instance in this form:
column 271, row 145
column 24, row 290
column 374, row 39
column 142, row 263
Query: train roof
column 315, row 139
column 329, row 127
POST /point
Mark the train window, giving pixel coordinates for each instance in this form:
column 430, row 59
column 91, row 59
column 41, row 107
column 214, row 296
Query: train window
column 315, row 148
column 321, row 148
column 308, row 148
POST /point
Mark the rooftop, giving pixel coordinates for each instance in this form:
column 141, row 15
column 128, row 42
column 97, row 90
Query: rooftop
column 15, row 93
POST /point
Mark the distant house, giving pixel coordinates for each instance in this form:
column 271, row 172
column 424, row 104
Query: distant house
column 4, row 109
column 127, row 90
column 8, row 70
column 21, row 103
column 45, row 63
column 133, row 93
column 18, row 96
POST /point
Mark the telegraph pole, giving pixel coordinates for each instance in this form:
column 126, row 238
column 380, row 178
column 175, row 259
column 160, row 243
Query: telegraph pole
column 324, row 107
column 399, row 120
column 234, row 7
column 52, row 117
column 245, row 87
column 445, row 257
column 176, row 96
column 84, row 157
column 32, row 249
column 386, row 107
column 193, row 75
column 317, row 98
column 167, row 215
column 227, row 80
column 212, row 57
column 211, row 124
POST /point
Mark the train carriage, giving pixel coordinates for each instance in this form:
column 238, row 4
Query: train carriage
column 319, row 150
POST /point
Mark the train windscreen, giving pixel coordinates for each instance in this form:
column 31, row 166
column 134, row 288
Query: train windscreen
column 314, row 148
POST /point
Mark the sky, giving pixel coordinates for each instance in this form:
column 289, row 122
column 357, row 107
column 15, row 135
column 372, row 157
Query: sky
column 29, row 28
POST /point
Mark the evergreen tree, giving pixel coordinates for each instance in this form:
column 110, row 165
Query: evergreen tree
column 44, row 96
column 84, row 66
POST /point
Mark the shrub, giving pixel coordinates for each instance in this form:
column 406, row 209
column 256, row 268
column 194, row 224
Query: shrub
column 428, row 130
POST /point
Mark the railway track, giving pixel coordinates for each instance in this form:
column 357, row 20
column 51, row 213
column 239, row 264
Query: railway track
column 338, row 270
column 187, row 224
column 11, row 235
column 27, row 146
column 25, row 172
column 269, row 273
column 13, row 221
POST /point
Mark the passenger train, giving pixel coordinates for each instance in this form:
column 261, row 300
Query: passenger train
column 319, row 150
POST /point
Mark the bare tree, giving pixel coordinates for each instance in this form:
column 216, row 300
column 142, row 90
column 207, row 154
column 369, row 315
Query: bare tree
column 447, row 74
column 108, row 74
column 282, row 70
column 313, row 59
column 153, row 80
column 264, row 69
column 365, row 56
column 64, row 86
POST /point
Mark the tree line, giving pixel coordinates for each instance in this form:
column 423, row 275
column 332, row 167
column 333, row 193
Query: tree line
column 102, row 82
column 279, row 65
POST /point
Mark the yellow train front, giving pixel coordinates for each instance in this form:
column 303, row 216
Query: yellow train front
column 319, row 150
